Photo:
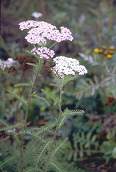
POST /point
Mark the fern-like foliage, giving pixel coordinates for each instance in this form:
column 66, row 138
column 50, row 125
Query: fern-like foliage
column 58, row 147
column 41, row 98
column 30, row 84
column 102, row 78
column 42, row 151
column 18, row 97
column 89, row 59
column 84, row 144
column 68, row 112
column 10, row 127
column 88, row 87
column 52, row 96
column 56, row 166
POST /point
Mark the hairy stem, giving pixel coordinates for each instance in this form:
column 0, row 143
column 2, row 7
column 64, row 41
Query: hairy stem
column 57, row 127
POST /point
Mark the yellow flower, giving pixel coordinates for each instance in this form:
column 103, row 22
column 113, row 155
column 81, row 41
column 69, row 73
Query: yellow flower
column 105, row 52
column 108, row 56
column 96, row 51
column 104, row 47
column 111, row 47
column 111, row 52
column 100, row 51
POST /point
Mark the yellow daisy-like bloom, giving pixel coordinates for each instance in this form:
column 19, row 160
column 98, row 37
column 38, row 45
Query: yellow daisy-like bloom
column 111, row 52
column 105, row 52
column 96, row 51
column 109, row 56
column 111, row 47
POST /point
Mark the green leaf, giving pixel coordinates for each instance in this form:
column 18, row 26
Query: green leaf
column 29, row 52
column 57, row 100
column 69, row 78
column 24, row 84
column 63, row 119
column 68, row 112
column 31, row 169
column 32, row 134
column 73, row 112
column 11, row 127
column 59, row 147
column 6, row 161
column 35, row 95
column 55, row 85
column 18, row 97
column 32, row 64
column 57, row 166
column 45, row 128
column 88, row 136
column 48, row 94
column 43, row 149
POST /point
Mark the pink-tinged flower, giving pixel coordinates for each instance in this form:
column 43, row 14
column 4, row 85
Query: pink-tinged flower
column 43, row 52
column 34, row 39
column 67, row 35
column 40, row 31
column 28, row 24
column 67, row 66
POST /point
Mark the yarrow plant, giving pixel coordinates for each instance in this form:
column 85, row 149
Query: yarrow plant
column 43, row 52
column 67, row 66
column 7, row 64
column 40, row 32
column 44, row 36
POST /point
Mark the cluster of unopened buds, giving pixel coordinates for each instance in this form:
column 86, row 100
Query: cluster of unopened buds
column 110, row 100
column 107, row 52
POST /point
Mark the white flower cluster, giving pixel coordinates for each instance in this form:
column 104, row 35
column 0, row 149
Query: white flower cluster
column 67, row 66
column 36, row 14
column 6, row 64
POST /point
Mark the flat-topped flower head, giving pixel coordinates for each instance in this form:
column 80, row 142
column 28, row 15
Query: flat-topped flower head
column 7, row 64
column 43, row 52
column 67, row 66
column 27, row 24
column 40, row 31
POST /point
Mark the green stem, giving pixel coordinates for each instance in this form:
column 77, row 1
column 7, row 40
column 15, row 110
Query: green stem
column 29, row 99
column 52, row 45
column 57, row 127
column 26, row 116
